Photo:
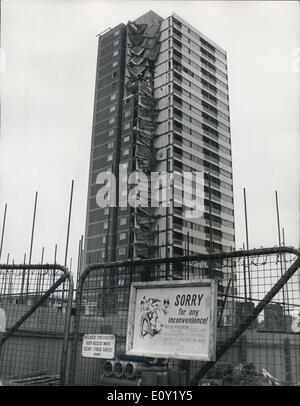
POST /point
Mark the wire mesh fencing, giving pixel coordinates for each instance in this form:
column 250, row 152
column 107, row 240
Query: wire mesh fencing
column 36, row 301
column 258, row 311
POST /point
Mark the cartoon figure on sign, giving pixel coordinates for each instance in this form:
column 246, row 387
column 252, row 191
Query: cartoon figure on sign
column 153, row 312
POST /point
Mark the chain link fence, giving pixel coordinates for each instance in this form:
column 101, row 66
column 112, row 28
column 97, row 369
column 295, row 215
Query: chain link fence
column 258, row 312
column 36, row 301
column 257, row 335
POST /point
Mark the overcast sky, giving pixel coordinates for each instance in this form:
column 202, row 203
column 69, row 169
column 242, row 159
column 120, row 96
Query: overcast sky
column 47, row 93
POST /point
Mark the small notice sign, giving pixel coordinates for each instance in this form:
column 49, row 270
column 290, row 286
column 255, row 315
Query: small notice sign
column 98, row 346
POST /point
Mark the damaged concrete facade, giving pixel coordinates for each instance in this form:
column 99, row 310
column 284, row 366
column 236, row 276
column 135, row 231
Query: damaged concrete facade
column 143, row 47
column 161, row 104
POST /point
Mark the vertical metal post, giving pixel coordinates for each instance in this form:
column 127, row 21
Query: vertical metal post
column 3, row 230
column 185, row 262
column 55, row 256
column 188, row 252
column 4, row 277
column 2, row 282
column 5, row 280
column 38, row 281
column 68, row 235
column 79, row 258
column 246, row 219
column 31, row 241
column 66, row 339
column 80, row 252
column 233, row 283
column 245, row 277
column 41, row 284
column 284, row 262
column 74, row 347
column 69, row 223
column 10, row 278
column 280, row 254
column 33, row 225
column 53, row 275
column 81, row 255
column 247, row 245
column 23, row 276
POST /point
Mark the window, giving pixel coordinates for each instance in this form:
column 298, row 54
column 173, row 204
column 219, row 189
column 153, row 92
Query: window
column 105, row 225
column 115, row 52
column 106, row 211
column 110, row 145
column 126, row 139
column 113, row 96
column 116, row 43
column 126, row 126
column 126, row 151
column 123, row 221
column 127, row 113
column 114, row 75
column 113, row 108
column 115, row 64
column 122, row 251
column 111, row 120
column 104, row 240
column 111, row 132
column 122, row 236
column 116, row 33
column 109, row 158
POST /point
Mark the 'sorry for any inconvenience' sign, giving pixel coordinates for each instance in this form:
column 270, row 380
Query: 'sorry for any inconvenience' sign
column 173, row 319
column 98, row 346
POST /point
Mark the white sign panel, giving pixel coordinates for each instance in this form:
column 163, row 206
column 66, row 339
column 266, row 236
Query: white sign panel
column 98, row 346
column 173, row 319
column 2, row 321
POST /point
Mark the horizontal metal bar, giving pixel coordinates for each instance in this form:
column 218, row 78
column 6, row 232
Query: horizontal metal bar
column 39, row 334
column 192, row 258
column 35, row 267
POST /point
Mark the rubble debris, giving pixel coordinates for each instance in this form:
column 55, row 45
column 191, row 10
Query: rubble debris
column 226, row 374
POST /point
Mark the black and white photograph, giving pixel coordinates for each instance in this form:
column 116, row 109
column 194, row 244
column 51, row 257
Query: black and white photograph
column 149, row 195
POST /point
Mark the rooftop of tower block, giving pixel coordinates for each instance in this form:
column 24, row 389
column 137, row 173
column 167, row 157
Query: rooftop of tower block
column 152, row 17
column 149, row 17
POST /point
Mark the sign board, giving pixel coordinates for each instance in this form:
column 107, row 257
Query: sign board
column 2, row 321
column 98, row 346
column 173, row 319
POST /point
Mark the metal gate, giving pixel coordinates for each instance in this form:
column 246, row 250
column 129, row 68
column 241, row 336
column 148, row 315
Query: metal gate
column 37, row 302
column 258, row 309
